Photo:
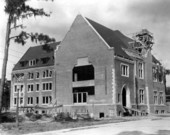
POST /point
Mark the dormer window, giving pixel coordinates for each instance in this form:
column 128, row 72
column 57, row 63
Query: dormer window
column 45, row 60
column 32, row 62
column 23, row 63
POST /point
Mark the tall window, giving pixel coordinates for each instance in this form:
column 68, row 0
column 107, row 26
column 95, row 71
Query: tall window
column 22, row 88
column 124, row 70
column 15, row 88
column 161, row 98
column 18, row 87
column 154, row 74
column 30, row 87
column 46, row 99
column 155, row 97
column 118, row 98
column 32, row 62
column 21, row 101
column 37, row 100
column 30, row 75
column 141, row 96
column 80, row 97
column 47, row 86
column 37, row 87
column 37, row 75
column 15, row 100
column 30, row 101
column 141, row 70
column 47, row 73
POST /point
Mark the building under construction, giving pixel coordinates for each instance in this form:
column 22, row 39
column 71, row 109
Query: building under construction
column 96, row 71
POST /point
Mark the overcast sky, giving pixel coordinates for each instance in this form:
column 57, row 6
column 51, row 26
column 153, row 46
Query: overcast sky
column 128, row 16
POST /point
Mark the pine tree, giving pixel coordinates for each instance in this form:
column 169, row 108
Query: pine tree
column 17, row 10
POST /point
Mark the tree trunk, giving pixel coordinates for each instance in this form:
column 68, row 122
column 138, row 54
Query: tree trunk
column 7, row 39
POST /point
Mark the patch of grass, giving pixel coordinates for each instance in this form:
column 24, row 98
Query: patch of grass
column 32, row 127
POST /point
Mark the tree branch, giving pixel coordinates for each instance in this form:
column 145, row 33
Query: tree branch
column 41, row 38
column 21, row 26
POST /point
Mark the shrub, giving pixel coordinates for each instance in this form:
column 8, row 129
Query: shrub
column 29, row 114
column 63, row 117
column 8, row 117
column 35, row 117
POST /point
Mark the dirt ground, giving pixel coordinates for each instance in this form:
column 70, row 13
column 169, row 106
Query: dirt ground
column 151, row 126
column 50, row 125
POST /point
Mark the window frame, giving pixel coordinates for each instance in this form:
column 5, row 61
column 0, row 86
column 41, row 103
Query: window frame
column 124, row 72
column 48, row 73
column 37, row 90
column 30, row 75
column 14, row 98
column 21, row 90
column 141, row 96
column 154, row 74
column 37, row 75
column 29, row 100
column 161, row 98
column 47, row 85
column 155, row 95
column 37, row 100
column 80, row 97
column 32, row 62
column 141, row 70
column 30, row 84
column 46, row 98
column 15, row 88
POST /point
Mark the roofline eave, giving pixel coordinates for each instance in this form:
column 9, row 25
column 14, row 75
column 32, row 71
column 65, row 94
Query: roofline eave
column 97, row 33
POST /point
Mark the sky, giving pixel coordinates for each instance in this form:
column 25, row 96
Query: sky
column 128, row 16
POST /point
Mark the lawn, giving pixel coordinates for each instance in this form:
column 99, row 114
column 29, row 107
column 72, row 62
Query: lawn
column 49, row 125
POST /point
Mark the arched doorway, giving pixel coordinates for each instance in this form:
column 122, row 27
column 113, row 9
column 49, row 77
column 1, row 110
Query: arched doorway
column 126, row 97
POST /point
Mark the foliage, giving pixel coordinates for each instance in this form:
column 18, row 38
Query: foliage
column 33, row 117
column 167, row 71
column 10, row 117
column 17, row 10
column 63, row 117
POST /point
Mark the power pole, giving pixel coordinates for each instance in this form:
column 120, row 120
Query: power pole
column 7, row 40
column 16, row 10
column 17, row 109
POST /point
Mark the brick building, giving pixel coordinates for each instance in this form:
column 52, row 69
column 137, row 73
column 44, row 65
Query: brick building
column 94, row 70
column 104, row 73
column 34, row 77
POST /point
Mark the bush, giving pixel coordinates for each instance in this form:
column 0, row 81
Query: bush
column 29, row 114
column 47, row 115
column 7, row 119
column 35, row 117
column 10, row 117
column 63, row 117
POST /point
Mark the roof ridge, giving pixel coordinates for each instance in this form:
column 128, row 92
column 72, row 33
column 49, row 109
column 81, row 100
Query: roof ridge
column 45, row 44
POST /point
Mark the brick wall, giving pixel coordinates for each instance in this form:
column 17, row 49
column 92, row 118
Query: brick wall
column 33, row 81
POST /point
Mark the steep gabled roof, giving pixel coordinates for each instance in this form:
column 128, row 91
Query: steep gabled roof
column 37, row 53
column 113, row 38
column 156, row 61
